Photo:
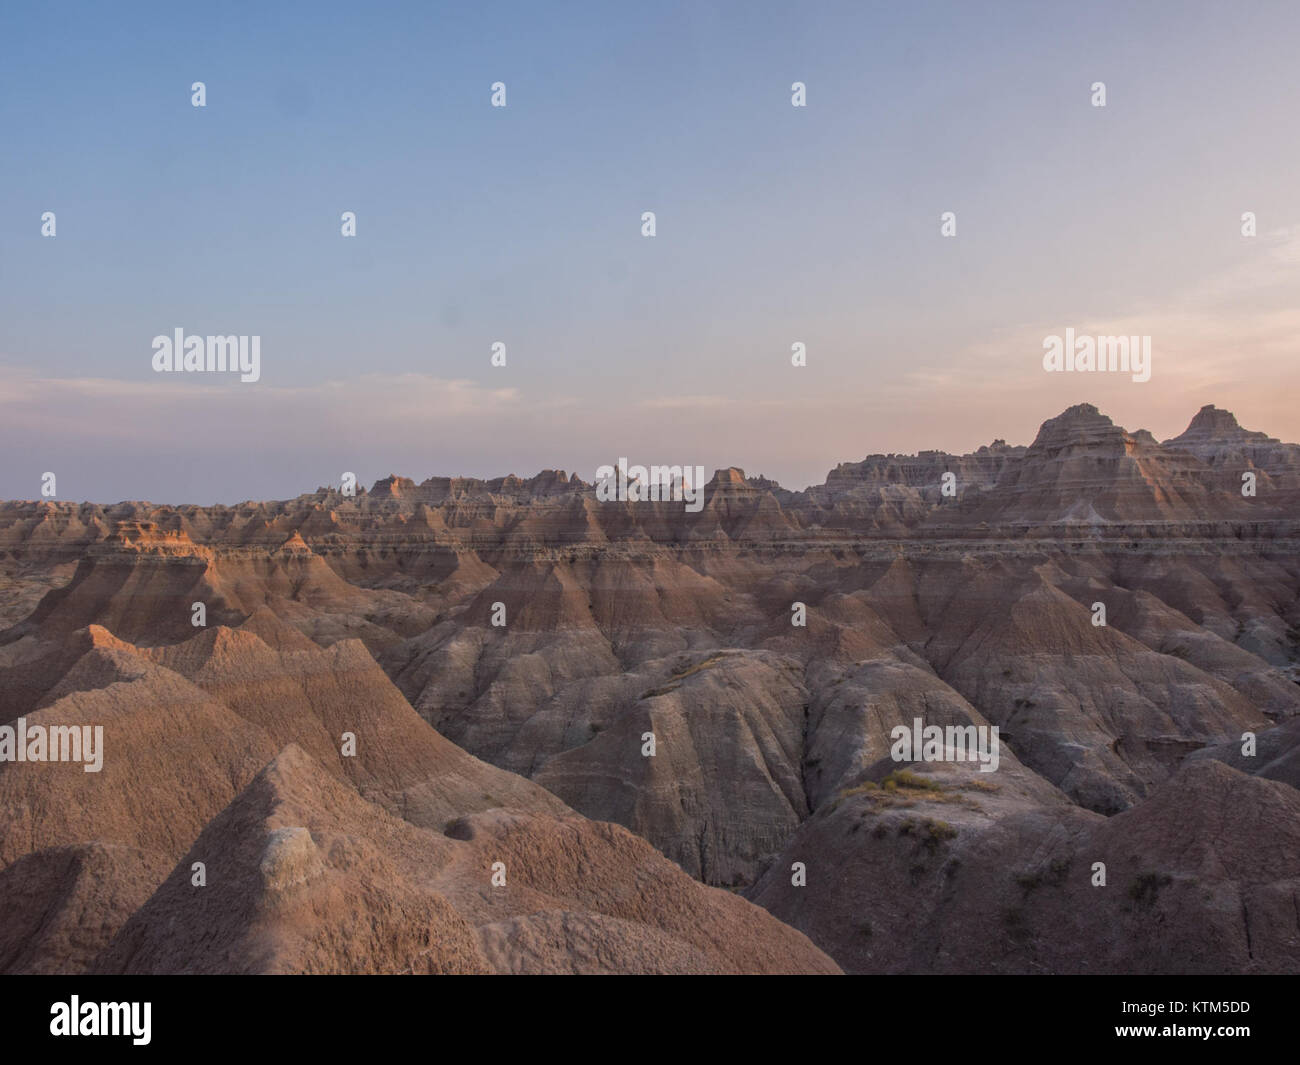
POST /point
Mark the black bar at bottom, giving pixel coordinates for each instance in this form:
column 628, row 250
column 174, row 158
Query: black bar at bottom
column 353, row 1013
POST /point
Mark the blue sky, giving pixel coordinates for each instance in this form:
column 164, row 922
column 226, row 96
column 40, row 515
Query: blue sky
column 522, row 224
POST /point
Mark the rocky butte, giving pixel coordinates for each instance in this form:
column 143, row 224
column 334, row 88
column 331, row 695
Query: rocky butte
column 498, row 651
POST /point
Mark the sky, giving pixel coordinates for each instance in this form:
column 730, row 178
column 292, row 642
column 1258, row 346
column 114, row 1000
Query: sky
column 522, row 225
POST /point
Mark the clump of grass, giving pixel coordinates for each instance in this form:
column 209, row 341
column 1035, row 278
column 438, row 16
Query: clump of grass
column 1053, row 874
column 703, row 664
column 903, row 789
column 1145, row 889
column 905, row 778
column 1029, row 881
column 650, row 693
column 931, row 833
column 678, row 675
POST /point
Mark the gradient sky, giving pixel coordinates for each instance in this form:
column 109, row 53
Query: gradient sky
column 522, row 224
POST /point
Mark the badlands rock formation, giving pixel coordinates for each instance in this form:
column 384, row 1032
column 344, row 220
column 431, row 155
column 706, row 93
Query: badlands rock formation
column 503, row 651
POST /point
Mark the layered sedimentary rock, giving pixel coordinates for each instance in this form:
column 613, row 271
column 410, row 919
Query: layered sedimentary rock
column 506, row 654
column 227, row 761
